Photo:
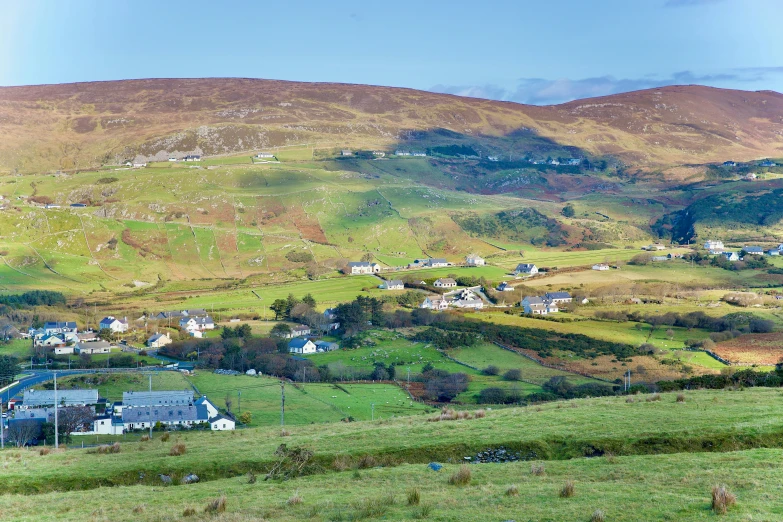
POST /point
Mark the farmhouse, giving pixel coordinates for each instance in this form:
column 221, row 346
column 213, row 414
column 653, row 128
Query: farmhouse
column 192, row 157
column 264, row 155
column 139, row 165
column 731, row 256
column 601, row 266
column 445, row 282
column 525, row 269
column 394, row 284
column 437, row 262
column 50, row 341
column 134, row 418
column 773, row 252
column 92, row 347
column 114, row 324
column 159, row 340
column 753, row 250
column 505, row 287
column 299, row 330
column 60, row 327
column 363, row 267
column 474, row 260
column 302, row 346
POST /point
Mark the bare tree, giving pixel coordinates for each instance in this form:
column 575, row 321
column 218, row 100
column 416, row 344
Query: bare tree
column 229, row 401
column 73, row 418
column 23, row 431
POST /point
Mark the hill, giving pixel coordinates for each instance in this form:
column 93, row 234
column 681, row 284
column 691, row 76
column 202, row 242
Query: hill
column 83, row 125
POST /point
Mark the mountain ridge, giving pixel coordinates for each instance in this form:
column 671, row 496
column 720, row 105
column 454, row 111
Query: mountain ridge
column 84, row 125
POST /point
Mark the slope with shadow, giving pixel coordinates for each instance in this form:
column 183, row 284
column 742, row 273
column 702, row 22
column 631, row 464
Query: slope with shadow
column 82, row 125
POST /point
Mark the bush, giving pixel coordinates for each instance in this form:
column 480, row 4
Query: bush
column 189, row 512
column 139, row 509
column 653, row 398
column 216, row 506
column 44, row 451
column 512, row 491
column 414, row 497
column 598, row 516
column 491, row 370
column 513, row 375
column 722, row 500
column 567, row 491
column 177, row 450
column 144, row 438
column 680, row 397
column 461, row 477
column 294, row 500
column 165, row 437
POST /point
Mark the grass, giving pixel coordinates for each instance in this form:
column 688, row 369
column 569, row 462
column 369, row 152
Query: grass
column 111, row 386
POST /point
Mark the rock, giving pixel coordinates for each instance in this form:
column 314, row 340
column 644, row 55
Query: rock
column 498, row 455
column 165, row 478
column 190, row 479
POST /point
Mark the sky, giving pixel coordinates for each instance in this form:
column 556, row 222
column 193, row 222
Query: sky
column 528, row 51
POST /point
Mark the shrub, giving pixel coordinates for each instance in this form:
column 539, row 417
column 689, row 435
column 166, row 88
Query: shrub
column 189, row 512
column 629, row 399
column 294, row 500
column 367, row 461
column 414, row 497
column 512, row 491
column 680, row 397
column 44, row 451
column 722, row 499
column 491, row 370
column 567, row 491
column 285, row 433
column 653, row 398
column 177, row 450
column 216, row 506
column 144, row 438
column 479, row 414
column 139, row 509
column 341, row 463
column 165, row 437
column 108, row 448
column 598, row 516
column 461, row 477
column 513, row 375
column 537, row 469
column 251, row 477
column 423, row 512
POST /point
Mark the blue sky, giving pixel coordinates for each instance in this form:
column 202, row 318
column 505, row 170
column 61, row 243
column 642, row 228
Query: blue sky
column 530, row 51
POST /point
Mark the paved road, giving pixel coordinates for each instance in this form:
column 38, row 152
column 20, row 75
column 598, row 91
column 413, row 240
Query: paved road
column 37, row 378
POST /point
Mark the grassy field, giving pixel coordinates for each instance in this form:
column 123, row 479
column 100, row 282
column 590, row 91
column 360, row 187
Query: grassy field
column 111, row 386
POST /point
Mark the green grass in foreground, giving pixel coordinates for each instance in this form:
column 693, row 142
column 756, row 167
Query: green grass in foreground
column 626, row 489
column 706, row 421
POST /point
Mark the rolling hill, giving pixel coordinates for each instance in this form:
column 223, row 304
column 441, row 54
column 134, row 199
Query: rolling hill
column 83, row 125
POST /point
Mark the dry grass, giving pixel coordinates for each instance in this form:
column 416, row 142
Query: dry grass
column 414, row 497
column 341, row 463
column 680, row 397
column 177, row 450
column 108, row 448
column 598, row 516
column 448, row 414
column 139, row 509
column 216, row 506
column 537, row 469
column 44, row 451
column 367, row 461
column 165, row 437
column 567, row 491
column 285, row 433
column 722, row 499
column 512, row 491
column 629, row 400
column 189, row 512
column 144, row 438
column 654, row 397
column 251, row 477
column 294, row 500
column 610, row 457
column 461, row 477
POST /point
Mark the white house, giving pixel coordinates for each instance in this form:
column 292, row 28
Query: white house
column 159, row 340
column 192, row 157
column 601, row 266
column 63, row 350
column 58, row 327
column 394, row 284
column 526, row 269
column 445, row 282
column 264, row 155
column 346, row 152
column 221, row 423
column 474, row 260
column 212, row 410
column 731, row 256
column 363, row 267
column 505, row 287
column 114, row 324
column 301, row 346
column 437, row 262
column 538, row 306
column 299, row 330
column 139, row 165
column 474, row 303
column 378, row 153
column 93, row 347
column 434, row 303
column 713, row 244
column 198, row 324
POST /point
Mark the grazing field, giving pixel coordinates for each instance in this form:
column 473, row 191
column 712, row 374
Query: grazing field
column 758, row 349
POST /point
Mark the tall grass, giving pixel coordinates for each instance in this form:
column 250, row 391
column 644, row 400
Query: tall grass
column 414, row 497
column 178, row 449
column 567, row 491
column 461, row 477
column 218, row 505
column 722, row 499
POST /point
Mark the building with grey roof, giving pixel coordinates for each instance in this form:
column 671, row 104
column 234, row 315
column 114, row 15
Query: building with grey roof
column 40, row 398
column 157, row 398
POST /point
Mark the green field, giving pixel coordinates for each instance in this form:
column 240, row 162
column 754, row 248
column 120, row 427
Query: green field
column 111, row 386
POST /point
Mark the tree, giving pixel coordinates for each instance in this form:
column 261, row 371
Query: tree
column 229, row 401
column 491, row 370
column 279, row 307
column 106, row 333
column 246, row 417
column 23, row 431
column 72, row 419
column 9, row 366
column 568, row 210
column 513, row 375
column 309, row 300
column 280, row 330
column 670, row 334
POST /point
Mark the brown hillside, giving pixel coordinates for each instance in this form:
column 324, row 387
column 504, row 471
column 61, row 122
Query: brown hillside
column 86, row 124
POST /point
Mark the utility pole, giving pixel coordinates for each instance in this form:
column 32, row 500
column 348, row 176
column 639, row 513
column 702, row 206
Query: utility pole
column 372, row 406
column 239, row 401
column 150, row 406
column 56, row 427
column 282, row 402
